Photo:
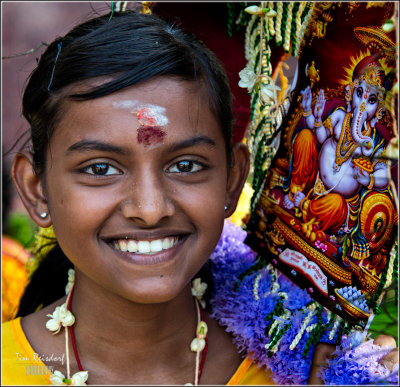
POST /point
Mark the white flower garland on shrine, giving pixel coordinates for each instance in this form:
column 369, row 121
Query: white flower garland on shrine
column 266, row 116
column 393, row 253
column 286, row 45
column 303, row 27
column 271, row 20
column 278, row 23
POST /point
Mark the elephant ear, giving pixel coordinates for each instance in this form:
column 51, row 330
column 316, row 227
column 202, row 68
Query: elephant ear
column 337, row 245
column 389, row 80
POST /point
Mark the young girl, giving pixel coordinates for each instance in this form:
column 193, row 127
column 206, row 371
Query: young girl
column 132, row 165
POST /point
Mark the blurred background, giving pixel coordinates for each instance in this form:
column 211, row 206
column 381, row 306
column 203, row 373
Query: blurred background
column 25, row 25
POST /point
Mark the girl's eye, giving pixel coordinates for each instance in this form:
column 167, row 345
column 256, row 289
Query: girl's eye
column 101, row 169
column 360, row 91
column 185, row 166
column 372, row 100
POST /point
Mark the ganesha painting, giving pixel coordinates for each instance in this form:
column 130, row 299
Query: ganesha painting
column 327, row 216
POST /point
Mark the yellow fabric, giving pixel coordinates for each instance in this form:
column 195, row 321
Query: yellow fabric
column 248, row 374
column 14, row 276
column 20, row 365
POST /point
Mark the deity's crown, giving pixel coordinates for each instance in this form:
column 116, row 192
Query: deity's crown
column 370, row 70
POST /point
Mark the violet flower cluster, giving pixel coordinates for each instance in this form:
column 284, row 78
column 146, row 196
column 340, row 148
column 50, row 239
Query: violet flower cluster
column 243, row 314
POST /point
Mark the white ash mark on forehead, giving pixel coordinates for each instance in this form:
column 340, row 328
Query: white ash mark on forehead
column 155, row 112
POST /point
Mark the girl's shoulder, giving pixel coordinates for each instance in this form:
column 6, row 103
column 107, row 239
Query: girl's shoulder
column 20, row 364
column 29, row 350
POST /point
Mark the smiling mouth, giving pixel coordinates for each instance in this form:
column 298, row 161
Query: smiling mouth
column 146, row 247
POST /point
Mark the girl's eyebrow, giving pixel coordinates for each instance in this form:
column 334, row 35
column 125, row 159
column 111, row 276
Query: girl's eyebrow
column 89, row 145
column 192, row 141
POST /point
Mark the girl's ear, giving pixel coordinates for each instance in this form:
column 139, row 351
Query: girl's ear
column 30, row 189
column 237, row 176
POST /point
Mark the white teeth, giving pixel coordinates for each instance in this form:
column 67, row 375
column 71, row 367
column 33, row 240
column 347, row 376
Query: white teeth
column 156, row 246
column 123, row 246
column 166, row 244
column 132, row 247
column 145, row 247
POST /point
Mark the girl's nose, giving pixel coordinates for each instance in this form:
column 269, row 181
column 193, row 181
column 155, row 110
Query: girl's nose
column 147, row 201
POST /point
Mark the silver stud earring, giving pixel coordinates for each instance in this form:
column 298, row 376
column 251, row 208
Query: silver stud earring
column 43, row 215
column 226, row 207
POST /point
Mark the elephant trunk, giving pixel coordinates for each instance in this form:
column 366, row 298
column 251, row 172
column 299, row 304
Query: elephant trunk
column 358, row 122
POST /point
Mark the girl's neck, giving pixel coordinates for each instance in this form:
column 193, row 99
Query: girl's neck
column 98, row 310
column 148, row 333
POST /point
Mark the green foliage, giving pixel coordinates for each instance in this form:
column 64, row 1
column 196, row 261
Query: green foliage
column 20, row 226
column 388, row 321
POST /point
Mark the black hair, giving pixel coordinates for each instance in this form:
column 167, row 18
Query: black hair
column 129, row 48
column 125, row 48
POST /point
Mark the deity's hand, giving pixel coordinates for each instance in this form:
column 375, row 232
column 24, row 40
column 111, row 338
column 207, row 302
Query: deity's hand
column 307, row 98
column 319, row 105
column 392, row 357
column 362, row 176
column 298, row 197
column 323, row 352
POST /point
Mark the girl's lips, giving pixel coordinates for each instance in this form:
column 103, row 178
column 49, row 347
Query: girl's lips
column 148, row 252
column 145, row 246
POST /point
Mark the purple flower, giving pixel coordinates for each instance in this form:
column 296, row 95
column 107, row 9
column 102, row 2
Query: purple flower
column 244, row 318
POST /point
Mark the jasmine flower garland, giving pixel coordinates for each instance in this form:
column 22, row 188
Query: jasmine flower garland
column 289, row 311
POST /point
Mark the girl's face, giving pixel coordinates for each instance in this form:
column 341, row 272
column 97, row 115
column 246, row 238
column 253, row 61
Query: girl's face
column 136, row 183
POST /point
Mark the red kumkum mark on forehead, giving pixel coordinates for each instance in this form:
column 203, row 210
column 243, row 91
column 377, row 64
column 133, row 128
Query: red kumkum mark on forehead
column 145, row 116
column 150, row 135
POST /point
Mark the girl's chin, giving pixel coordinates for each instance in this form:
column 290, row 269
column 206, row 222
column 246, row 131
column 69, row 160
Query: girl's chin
column 150, row 289
column 159, row 294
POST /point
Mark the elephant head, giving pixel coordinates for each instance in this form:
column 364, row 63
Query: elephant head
column 367, row 102
column 364, row 107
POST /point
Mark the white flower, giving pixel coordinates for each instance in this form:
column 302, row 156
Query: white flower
column 60, row 317
column 247, row 78
column 78, row 379
column 71, row 275
column 202, row 330
column 271, row 13
column 198, row 288
column 197, row 344
column 255, row 10
column 388, row 26
column 68, row 287
column 57, row 378
column 267, row 92
column 71, row 280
